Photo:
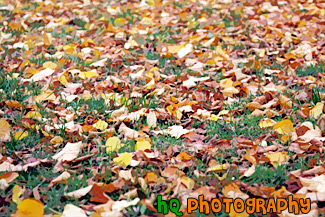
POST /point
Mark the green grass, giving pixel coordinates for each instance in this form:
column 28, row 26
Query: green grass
column 312, row 70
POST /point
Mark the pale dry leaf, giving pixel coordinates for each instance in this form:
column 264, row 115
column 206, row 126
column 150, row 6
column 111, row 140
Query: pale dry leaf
column 61, row 178
column 71, row 210
column 152, row 120
column 177, row 131
column 69, row 152
column 128, row 132
column 79, row 193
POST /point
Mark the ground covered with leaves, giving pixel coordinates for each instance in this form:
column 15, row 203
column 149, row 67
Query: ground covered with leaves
column 104, row 105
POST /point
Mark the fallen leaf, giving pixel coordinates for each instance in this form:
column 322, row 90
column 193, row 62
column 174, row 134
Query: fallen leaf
column 120, row 21
column 113, row 144
column 142, row 145
column 101, row 125
column 177, row 131
column 79, row 193
column 88, row 74
column 317, row 110
column 123, row 159
column 61, row 178
column 233, row 191
column 17, row 191
column 46, row 95
column 72, row 210
column 152, row 120
column 218, row 168
column 185, row 51
column 128, row 132
column 249, row 172
column 5, row 129
column 233, row 213
column 69, row 152
column 284, row 127
column 188, row 182
column 40, row 75
column 19, row 135
column 6, row 178
column 278, row 158
column 47, row 38
column 56, row 140
column 265, row 123
column 50, row 65
column 30, row 208
column 63, row 80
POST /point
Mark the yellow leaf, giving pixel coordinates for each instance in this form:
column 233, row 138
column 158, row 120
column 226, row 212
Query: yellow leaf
column 88, row 74
column 151, row 177
column 86, row 96
column 188, row 182
column 24, row 63
column 302, row 23
column 47, row 39
column 113, row 144
column 219, row 50
column 56, row 140
column 215, row 117
column 223, row 112
column 101, row 125
column 63, row 80
column 284, row 127
column 261, row 54
column 152, row 2
column 120, row 21
column 30, row 208
column 278, row 158
column 174, row 48
column 317, row 110
column 19, row 135
column 267, row 123
column 218, row 168
column 50, row 64
column 225, row 83
column 221, row 54
column 142, row 145
column 233, row 213
column 46, row 95
column 285, row 101
column 70, row 49
column 146, row 21
column 124, row 159
column 284, row 139
column 150, row 85
column 4, row 130
column 33, row 114
column 16, row 193
column 15, row 75
column 229, row 91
